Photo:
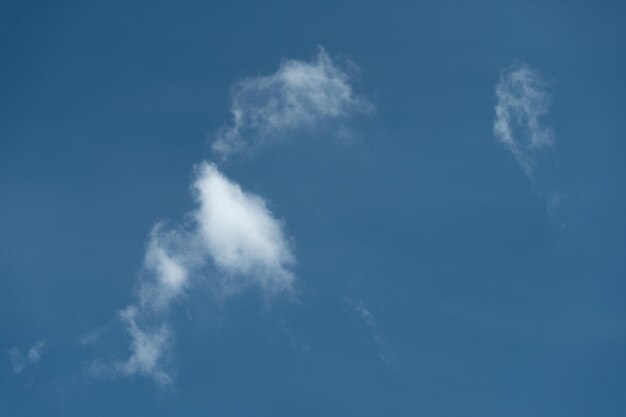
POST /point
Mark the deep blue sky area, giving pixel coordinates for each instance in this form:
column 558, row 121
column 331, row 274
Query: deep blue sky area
column 433, row 279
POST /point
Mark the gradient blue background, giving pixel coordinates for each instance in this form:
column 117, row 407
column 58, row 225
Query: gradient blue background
column 489, row 307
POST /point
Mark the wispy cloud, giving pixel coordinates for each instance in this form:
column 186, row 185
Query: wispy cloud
column 149, row 346
column 522, row 102
column 21, row 359
column 365, row 315
column 234, row 241
column 299, row 94
column 166, row 274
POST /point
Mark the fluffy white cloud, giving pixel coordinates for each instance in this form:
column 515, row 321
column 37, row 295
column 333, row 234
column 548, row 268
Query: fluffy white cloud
column 522, row 101
column 299, row 94
column 240, row 234
column 20, row 360
column 234, row 239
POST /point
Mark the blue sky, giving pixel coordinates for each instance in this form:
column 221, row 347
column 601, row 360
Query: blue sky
column 316, row 209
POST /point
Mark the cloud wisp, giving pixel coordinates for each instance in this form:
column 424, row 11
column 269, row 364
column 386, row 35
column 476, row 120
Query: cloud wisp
column 233, row 240
column 365, row 315
column 20, row 360
column 298, row 95
column 165, row 277
column 522, row 102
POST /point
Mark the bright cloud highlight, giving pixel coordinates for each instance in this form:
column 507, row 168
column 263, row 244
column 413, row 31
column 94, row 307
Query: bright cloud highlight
column 240, row 234
column 234, row 241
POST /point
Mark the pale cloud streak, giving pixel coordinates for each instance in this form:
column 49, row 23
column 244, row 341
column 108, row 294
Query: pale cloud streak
column 164, row 280
column 167, row 272
column 522, row 102
column 298, row 95
column 20, row 360
column 365, row 315
column 149, row 346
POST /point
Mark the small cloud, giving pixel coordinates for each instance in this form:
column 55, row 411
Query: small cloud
column 20, row 360
column 233, row 238
column 164, row 280
column 365, row 315
column 240, row 234
column 149, row 346
column 522, row 102
column 92, row 337
column 34, row 353
column 299, row 94
column 166, row 275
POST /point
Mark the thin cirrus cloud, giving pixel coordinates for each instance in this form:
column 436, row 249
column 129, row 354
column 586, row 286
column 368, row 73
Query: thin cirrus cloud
column 299, row 94
column 20, row 360
column 522, row 103
column 232, row 240
column 365, row 315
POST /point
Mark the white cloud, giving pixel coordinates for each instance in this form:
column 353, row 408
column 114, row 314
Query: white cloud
column 299, row 94
column 165, row 278
column 20, row 361
column 168, row 275
column 234, row 240
column 149, row 346
column 240, row 234
column 522, row 101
